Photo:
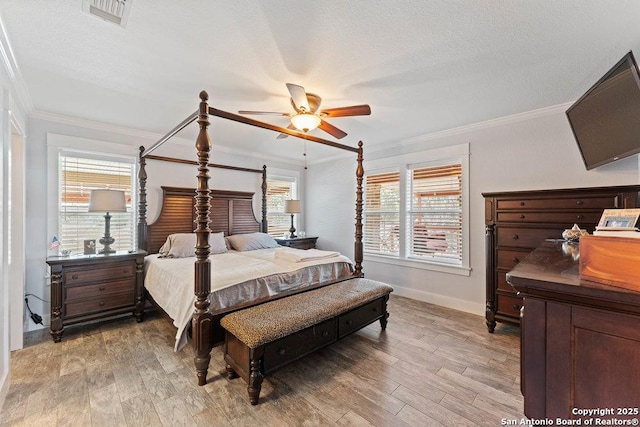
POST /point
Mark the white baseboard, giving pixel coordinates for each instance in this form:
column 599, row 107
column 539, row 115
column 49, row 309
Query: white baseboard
column 445, row 301
column 4, row 388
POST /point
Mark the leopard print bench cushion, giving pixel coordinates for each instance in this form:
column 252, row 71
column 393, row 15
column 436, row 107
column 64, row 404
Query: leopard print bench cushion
column 265, row 323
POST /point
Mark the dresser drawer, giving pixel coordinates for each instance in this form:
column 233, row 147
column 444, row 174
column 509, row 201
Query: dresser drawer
column 501, row 280
column 105, row 288
column 507, row 259
column 509, row 305
column 356, row 319
column 561, row 203
column 525, row 237
column 284, row 350
column 92, row 305
column 550, row 217
column 74, row 276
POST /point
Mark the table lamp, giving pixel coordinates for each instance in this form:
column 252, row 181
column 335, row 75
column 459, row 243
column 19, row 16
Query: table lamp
column 107, row 201
column 292, row 207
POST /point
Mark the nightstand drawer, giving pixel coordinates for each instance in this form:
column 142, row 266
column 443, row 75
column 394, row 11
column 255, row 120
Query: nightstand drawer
column 299, row 242
column 85, row 275
column 92, row 305
column 88, row 291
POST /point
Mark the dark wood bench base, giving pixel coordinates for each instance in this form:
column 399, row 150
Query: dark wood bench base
column 252, row 364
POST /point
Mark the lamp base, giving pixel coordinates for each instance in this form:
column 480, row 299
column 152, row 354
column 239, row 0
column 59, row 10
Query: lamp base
column 107, row 240
column 292, row 230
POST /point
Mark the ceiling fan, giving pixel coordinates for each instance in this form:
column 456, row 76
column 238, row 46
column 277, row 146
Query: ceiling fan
column 307, row 115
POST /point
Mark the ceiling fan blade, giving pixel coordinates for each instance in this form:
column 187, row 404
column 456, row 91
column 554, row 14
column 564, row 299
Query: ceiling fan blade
column 355, row 110
column 332, row 130
column 299, row 96
column 264, row 113
column 284, row 135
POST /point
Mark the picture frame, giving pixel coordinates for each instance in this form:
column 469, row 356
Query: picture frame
column 90, row 246
column 619, row 219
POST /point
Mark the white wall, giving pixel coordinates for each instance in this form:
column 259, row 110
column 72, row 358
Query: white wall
column 98, row 136
column 525, row 152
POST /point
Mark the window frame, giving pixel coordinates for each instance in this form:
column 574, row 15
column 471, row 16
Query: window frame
column 293, row 178
column 92, row 148
column 403, row 163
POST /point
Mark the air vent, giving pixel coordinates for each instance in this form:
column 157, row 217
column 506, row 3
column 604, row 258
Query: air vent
column 114, row 11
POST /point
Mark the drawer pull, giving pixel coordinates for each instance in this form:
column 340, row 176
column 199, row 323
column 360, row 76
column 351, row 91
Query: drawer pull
column 125, row 270
column 281, row 352
column 521, row 216
column 101, row 303
column 74, row 276
column 516, row 307
column 521, row 203
column 349, row 322
column 101, row 288
column 579, row 216
column 375, row 309
column 515, row 260
column 579, row 202
column 515, row 237
column 325, row 333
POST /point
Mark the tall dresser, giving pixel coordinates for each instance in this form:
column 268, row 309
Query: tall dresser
column 518, row 222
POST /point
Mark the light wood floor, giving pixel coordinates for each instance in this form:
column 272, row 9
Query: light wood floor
column 433, row 366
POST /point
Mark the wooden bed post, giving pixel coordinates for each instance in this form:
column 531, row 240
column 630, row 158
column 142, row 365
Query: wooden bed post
column 142, row 202
column 265, row 226
column 201, row 319
column 358, row 244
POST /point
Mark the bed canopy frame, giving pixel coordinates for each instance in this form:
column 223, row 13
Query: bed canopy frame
column 206, row 332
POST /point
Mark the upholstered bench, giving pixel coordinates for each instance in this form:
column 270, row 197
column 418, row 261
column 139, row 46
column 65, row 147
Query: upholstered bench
column 263, row 338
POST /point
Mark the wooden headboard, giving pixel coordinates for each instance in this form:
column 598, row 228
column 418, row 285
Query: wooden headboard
column 231, row 212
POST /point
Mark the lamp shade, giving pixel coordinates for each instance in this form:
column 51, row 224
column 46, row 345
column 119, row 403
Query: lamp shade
column 107, row 201
column 306, row 121
column 292, row 206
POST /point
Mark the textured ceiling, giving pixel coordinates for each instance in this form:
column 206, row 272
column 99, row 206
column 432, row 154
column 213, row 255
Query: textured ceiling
column 423, row 66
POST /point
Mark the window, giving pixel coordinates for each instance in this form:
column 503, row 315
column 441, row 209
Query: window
column 279, row 190
column 434, row 199
column 382, row 213
column 81, row 172
column 415, row 213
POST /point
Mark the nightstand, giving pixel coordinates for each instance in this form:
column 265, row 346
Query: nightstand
column 90, row 287
column 299, row 242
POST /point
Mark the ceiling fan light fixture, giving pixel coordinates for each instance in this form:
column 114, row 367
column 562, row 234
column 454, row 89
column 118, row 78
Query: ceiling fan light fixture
column 306, row 121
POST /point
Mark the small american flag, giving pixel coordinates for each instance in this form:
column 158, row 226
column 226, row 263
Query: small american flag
column 54, row 243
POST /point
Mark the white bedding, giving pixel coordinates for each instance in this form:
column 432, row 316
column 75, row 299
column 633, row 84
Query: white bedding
column 236, row 277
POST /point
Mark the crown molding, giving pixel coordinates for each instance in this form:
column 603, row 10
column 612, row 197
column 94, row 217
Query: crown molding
column 474, row 127
column 13, row 71
column 150, row 136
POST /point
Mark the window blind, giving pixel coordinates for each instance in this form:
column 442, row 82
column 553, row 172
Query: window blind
column 79, row 173
column 381, row 214
column 278, row 190
column 435, row 213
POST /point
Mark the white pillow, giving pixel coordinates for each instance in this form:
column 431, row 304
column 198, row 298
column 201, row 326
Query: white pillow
column 251, row 241
column 183, row 245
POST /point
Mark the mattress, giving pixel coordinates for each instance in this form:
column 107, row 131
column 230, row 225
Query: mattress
column 236, row 277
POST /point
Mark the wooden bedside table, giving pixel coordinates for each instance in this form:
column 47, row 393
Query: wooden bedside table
column 299, row 242
column 89, row 287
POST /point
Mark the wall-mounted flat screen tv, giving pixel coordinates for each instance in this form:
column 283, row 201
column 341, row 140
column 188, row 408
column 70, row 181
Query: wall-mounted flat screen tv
column 606, row 120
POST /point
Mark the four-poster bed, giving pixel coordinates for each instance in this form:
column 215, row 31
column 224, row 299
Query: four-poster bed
column 237, row 212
